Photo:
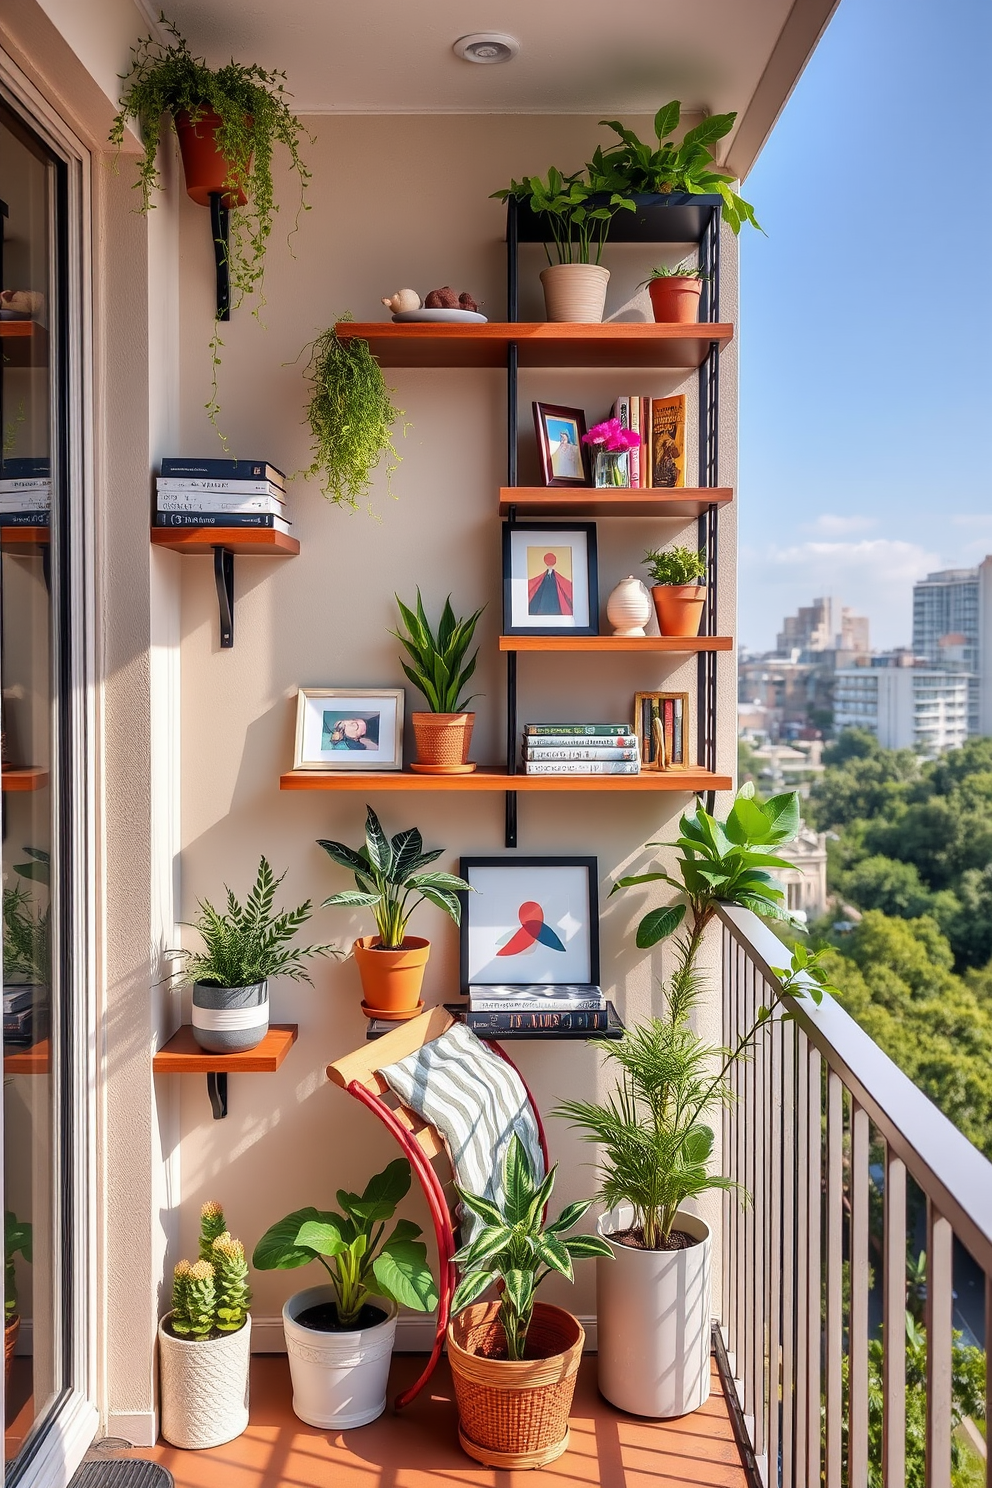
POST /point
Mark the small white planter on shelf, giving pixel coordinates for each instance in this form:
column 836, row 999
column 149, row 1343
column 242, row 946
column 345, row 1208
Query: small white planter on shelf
column 575, row 292
column 339, row 1379
column 203, row 1386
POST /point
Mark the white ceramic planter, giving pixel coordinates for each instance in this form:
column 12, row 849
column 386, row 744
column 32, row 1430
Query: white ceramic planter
column 575, row 292
column 230, row 1020
column 654, row 1322
column 339, row 1379
column 629, row 607
column 204, row 1387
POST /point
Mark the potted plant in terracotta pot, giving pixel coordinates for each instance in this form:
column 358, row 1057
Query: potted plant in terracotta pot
column 16, row 1241
column 441, row 669
column 244, row 946
column 675, row 293
column 514, row 1359
column 340, row 1336
column 653, row 1301
column 205, row 1341
column 390, row 881
column 678, row 591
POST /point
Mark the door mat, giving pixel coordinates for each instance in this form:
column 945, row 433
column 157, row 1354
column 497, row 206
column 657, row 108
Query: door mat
column 129, row 1473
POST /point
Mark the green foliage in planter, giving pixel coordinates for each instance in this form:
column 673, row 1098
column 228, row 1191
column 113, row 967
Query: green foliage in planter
column 439, row 669
column 17, row 1240
column 27, row 950
column 212, row 1295
column 231, row 1289
column 578, row 225
column 681, row 271
column 194, row 1300
column 351, row 418
column 676, row 565
column 388, row 872
column 247, row 943
column 351, row 1248
column 212, row 1224
column 518, row 1248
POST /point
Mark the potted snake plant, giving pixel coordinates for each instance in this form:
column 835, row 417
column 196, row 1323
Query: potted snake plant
column 439, row 665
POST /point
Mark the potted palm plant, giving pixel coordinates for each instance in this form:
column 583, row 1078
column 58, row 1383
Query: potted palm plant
column 244, row 945
column 439, row 668
column 653, row 1302
column 675, row 293
column 205, row 1341
column 16, row 1241
column 390, row 881
column 340, row 1336
column 678, row 591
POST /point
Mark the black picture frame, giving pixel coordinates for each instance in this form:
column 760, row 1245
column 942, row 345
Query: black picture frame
column 517, row 619
column 471, row 901
column 544, row 415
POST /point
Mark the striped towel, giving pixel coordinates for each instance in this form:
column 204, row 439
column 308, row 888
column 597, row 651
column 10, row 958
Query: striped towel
column 477, row 1102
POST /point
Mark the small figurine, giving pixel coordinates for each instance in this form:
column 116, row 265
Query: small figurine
column 403, row 299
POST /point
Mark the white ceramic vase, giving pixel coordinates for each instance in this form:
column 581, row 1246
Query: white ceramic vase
column 654, row 1321
column 203, row 1385
column 629, row 607
column 575, row 292
column 339, row 1379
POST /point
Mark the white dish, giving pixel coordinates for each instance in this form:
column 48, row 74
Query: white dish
column 453, row 317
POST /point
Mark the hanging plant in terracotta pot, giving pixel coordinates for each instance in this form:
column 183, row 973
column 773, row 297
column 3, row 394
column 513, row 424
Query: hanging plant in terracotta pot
column 678, row 594
column 441, row 669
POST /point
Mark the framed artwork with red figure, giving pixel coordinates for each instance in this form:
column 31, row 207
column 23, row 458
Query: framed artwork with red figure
column 529, row 922
column 550, row 583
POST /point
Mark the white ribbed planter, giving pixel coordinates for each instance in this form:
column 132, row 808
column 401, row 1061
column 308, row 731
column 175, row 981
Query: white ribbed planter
column 339, row 1379
column 204, row 1387
column 230, row 1020
column 654, row 1320
column 575, row 292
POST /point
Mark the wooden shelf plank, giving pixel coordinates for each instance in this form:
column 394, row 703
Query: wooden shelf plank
column 23, row 539
column 29, row 778
column 495, row 778
column 611, row 643
column 540, row 343
column 260, row 542
column 33, row 1061
column 182, row 1055
column 25, row 343
column 550, row 501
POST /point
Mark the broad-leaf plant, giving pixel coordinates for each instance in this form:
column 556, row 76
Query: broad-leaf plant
column 439, row 667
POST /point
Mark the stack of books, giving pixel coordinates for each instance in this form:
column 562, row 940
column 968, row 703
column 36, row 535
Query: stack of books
column 221, row 493
column 25, row 491
column 580, row 749
column 25, row 1021
column 659, row 460
column 573, row 1007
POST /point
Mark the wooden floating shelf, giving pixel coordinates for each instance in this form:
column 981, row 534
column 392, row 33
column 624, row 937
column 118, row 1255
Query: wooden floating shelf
column 30, row 778
column 540, row 343
column 23, row 539
column 33, row 1061
column 549, row 501
column 25, row 343
column 610, row 643
column 262, row 542
column 182, row 1055
column 495, row 778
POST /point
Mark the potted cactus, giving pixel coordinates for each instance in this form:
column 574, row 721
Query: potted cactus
column 440, row 668
column 678, row 593
column 205, row 1341
column 16, row 1240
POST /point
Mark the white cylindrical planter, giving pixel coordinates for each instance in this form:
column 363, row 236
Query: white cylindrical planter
column 575, row 292
column 230, row 1020
column 654, row 1321
column 339, row 1379
column 204, row 1387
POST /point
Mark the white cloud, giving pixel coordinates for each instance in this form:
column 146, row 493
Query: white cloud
column 830, row 525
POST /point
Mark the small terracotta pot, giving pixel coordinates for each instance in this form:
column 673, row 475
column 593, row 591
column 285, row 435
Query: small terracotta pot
column 391, row 980
column 679, row 608
column 575, row 292
column 443, row 742
column 205, row 167
column 10, row 1333
column 675, row 300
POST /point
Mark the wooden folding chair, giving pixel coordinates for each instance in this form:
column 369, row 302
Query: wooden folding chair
column 421, row 1143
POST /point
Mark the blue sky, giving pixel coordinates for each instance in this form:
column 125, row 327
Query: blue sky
column 866, row 320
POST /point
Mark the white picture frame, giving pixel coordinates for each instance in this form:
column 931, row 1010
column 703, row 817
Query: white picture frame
column 529, row 921
column 349, row 728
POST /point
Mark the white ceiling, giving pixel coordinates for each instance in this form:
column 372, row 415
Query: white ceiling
column 576, row 56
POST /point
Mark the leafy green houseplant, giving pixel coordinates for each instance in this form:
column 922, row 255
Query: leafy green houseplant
column 678, row 590
column 440, row 667
column 351, row 417
column 337, row 1384
column 16, row 1241
column 391, row 882
column 578, row 227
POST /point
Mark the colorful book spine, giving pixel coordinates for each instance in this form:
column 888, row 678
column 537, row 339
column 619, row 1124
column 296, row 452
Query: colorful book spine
column 25, row 483
column 222, row 469
column 590, row 767
column 663, row 732
column 189, row 486
column 578, row 752
column 581, row 741
column 18, row 467
column 646, row 444
column 221, row 519
column 634, row 455
column 668, row 453
column 24, row 518
column 21, row 501
column 210, row 501
column 593, row 1020
column 577, row 728
column 621, row 411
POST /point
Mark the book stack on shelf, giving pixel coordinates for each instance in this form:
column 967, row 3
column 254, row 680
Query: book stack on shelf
column 25, row 1020
column 221, row 493
column 25, row 491
column 573, row 1007
column 659, row 460
column 580, row 749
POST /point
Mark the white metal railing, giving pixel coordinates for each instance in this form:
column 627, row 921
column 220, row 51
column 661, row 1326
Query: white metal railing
column 825, row 1135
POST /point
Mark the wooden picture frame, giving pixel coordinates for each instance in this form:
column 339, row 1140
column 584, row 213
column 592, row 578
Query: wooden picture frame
column 550, row 579
column 565, row 948
column 564, row 458
column 349, row 728
column 661, row 727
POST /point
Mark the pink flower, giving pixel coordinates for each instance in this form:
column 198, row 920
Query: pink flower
column 611, row 435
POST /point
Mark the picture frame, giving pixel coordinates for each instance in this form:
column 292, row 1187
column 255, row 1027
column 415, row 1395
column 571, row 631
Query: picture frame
column 349, row 728
column 661, row 727
column 501, row 945
column 550, row 579
column 564, row 458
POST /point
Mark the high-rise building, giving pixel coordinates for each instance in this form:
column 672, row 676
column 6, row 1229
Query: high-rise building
column 812, row 629
column 904, row 706
column 952, row 632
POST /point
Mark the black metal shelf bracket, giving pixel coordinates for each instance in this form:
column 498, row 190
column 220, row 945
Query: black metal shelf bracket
column 220, row 226
column 224, row 579
column 217, row 1091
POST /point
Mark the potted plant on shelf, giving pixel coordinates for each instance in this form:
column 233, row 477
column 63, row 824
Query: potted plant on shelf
column 653, row 1302
column 514, row 1360
column 678, row 591
column 675, row 293
column 244, row 945
column 27, row 954
column 16, row 1241
column 441, row 669
column 388, row 874
column 340, row 1336
column 205, row 1341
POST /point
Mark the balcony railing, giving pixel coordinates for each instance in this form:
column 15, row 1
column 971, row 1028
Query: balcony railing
column 834, row 1144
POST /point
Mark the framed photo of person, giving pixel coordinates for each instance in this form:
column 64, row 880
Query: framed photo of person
column 529, row 920
column 661, row 727
column 564, row 458
column 349, row 728
column 550, row 582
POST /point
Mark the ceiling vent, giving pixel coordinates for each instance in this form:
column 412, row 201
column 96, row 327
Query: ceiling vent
column 486, row 47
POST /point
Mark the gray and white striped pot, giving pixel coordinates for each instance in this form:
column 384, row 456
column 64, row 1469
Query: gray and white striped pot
column 230, row 1020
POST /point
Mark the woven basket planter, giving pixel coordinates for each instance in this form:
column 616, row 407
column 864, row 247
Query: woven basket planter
column 575, row 292
column 514, row 1414
column 204, row 1387
column 443, row 742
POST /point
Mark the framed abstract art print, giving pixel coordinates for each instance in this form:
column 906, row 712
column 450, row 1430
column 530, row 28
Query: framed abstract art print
column 550, row 584
column 529, row 920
